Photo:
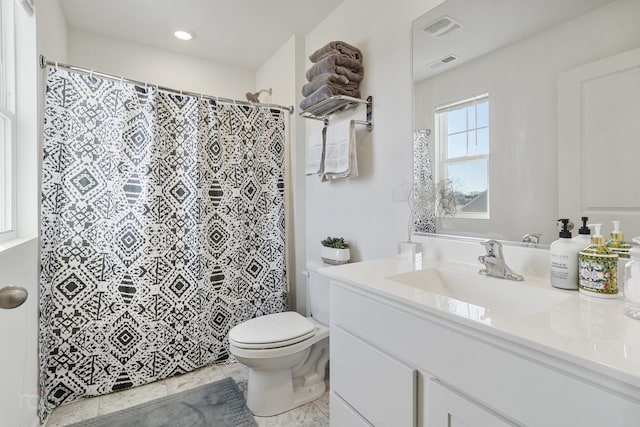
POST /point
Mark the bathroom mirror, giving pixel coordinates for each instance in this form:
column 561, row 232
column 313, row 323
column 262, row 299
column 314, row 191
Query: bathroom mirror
column 533, row 109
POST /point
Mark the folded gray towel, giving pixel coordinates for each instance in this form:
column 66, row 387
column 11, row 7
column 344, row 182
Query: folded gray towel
column 325, row 92
column 330, row 79
column 337, row 47
column 338, row 64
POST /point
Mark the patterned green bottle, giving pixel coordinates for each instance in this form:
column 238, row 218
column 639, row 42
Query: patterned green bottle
column 598, row 268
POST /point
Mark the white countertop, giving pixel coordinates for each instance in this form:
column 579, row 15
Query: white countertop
column 587, row 331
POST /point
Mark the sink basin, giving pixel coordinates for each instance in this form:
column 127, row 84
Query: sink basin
column 480, row 295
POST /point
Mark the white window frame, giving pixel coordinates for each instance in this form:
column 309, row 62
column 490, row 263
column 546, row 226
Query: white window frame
column 7, row 116
column 442, row 146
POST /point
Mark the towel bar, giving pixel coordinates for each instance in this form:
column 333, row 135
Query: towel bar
column 322, row 110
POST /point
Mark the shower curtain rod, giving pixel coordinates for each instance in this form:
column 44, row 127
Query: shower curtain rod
column 44, row 62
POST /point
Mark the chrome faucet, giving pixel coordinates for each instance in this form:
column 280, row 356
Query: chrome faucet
column 494, row 263
column 532, row 238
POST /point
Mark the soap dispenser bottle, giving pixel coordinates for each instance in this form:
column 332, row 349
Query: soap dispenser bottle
column 564, row 259
column 617, row 245
column 583, row 239
column 597, row 268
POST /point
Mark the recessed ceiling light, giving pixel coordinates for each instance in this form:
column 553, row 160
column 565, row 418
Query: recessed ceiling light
column 184, row 34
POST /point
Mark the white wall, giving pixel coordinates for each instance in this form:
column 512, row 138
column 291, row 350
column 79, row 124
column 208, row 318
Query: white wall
column 52, row 30
column 281, row 72
column 157, row 66
column 361, row 209
column 522, row 82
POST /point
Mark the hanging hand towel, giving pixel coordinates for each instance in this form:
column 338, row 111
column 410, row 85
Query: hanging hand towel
column 340, row 157
column 315, row 152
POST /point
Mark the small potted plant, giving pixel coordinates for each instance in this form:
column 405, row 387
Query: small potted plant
column 335, row 251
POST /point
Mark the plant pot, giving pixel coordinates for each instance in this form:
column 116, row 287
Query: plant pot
column 335, row 256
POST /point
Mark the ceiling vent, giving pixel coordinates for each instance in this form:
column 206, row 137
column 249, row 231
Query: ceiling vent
column 442, row 61
column 441, row 26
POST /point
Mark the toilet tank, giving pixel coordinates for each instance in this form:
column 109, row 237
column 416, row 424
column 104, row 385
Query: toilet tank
column 318, row 292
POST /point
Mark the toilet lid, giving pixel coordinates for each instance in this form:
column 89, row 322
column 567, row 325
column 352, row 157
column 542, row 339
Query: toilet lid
column 273, row 330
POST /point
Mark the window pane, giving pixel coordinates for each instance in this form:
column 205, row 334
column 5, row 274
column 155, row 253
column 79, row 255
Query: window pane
column 469, row 181
column 471, row 117
column 483, row 114
column 481, row 144
column 457, row 145
column 457, row 120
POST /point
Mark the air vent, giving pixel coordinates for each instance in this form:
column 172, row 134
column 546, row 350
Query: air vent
column 441, row 26
column 442, row 61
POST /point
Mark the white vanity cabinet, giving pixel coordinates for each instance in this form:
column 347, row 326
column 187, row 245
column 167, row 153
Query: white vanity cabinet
column 395, row 364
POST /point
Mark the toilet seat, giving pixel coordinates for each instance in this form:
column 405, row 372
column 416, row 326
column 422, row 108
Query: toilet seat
column 272, row 331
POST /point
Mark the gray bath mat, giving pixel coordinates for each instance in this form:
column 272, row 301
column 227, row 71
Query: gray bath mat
column 218, row 404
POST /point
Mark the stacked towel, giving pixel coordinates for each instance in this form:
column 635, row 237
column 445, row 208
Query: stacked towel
column 337, row 70
column 331, row 151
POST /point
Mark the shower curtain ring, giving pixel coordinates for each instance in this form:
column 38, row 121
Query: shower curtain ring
column 91, row 74
column 57, row 69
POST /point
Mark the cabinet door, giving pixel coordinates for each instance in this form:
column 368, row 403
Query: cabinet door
column 343, row 415
column 379, row 387
column 448, row 408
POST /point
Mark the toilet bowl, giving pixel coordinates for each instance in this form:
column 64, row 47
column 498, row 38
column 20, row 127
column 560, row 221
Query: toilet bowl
column 286, row 354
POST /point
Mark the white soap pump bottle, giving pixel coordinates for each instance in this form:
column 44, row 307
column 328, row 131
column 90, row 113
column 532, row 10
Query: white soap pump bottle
column 564, row 259
column 583, row 239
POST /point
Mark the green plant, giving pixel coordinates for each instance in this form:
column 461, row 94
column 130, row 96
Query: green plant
column 335, row 243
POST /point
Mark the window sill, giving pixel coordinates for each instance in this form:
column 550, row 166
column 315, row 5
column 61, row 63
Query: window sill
column 12, row 243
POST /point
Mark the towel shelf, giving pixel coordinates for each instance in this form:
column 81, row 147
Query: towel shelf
column 323, row 109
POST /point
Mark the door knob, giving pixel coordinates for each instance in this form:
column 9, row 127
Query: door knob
column 12, row 296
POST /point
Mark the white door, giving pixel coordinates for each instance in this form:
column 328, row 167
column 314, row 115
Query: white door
column 598, row 149
column 19, row 338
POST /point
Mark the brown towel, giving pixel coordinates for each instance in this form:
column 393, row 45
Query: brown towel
column 339, row 64
column 325, row 92
column 330, row 79
column 337, row 47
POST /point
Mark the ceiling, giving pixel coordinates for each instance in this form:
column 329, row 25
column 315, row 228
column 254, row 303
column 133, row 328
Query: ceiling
column 486, row 26
column 243, row 33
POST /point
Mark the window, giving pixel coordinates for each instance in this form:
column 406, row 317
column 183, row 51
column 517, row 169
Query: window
column 462, row 132
column 7, row 119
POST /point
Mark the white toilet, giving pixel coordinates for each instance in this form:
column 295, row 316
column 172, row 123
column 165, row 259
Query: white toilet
column 286, row 353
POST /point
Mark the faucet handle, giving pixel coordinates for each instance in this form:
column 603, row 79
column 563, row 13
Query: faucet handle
column 532, row 238
column 493, row 247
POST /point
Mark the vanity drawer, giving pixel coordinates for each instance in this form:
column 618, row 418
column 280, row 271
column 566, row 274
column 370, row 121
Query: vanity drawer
column 377, row 386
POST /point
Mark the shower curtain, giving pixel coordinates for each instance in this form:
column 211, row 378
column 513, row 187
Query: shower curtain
column 162, row 227
column 423, row 197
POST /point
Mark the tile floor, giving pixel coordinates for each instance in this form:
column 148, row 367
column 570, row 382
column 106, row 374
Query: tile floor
column 314, row 414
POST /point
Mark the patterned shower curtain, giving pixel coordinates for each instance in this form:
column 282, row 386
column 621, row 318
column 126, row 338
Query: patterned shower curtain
column 162, row 227
column 423, row 196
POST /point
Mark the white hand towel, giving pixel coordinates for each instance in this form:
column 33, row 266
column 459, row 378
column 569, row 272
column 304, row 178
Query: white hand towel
column 340, row 159
column 315, row 152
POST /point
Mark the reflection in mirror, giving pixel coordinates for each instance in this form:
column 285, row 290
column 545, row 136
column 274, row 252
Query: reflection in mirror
column 497, row 82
